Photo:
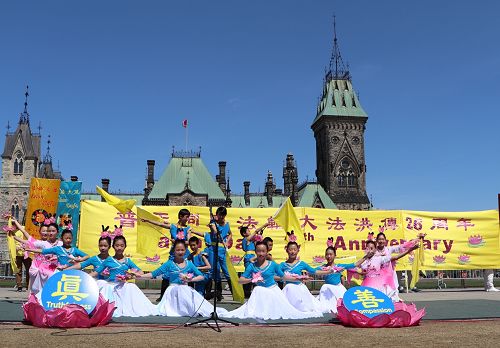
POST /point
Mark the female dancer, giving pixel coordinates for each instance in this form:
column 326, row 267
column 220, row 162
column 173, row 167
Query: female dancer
column 42, row 266
column 248, row 246
column 266, row 301
column 333, row 289
column 296, row 292
column 376, row 275
column 179, row 298
column 96, row 260
column 66, row 254
column 129, row 300
column 181, row 231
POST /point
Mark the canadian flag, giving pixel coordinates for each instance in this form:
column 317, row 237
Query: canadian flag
column 185, row 123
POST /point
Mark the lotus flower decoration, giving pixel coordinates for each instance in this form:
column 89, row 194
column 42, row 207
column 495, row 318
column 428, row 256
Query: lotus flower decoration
column 235, row 259
column 439, row 259
column 463, row 259
column 404, row 315
column 319, row 259
column 69, row 316
column 154, row 259
column 476, row 241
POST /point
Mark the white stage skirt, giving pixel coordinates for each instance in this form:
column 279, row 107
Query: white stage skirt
column 301, row 298
column 329, row 294
column 183, row 301
column 269, row 303
column 129, row 300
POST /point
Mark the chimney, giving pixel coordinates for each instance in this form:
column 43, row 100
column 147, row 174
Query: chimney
column 246, row 195
column 105, row 186
column 74, row 178
column 151, row 174
column 269, row 188
column 222, row 176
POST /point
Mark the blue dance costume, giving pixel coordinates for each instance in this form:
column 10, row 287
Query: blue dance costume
column 197, row 260
column 63, row 254
column 248, row 247
column 173, row 271
column 210, row 240
column 116, row 267
column 95, row 261
column 334, row 278
column 296, row 268
column 267, row 272
column 174, row 235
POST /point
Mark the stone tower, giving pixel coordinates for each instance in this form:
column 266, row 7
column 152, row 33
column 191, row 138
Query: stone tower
column 339, row 129
column 20, row 163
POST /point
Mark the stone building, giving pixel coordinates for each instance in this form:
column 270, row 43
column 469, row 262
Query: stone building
column 21, row 161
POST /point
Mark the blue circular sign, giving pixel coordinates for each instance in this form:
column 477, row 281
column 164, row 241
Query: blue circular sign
column 70, row 287
column 368, row 301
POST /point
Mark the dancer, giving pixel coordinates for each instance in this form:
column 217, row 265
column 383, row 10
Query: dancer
column 267, row 301
column 248, row 246
column 180, row 231
column 220, row 227
column 384, row 250
column 333, row 289
column 43, row 266
column 199, row 259
column 295, row 291
column 376, row 275
column 179, row 298
column 96, row 260
column 66, row 254
column 22, row 258
column 129, row 300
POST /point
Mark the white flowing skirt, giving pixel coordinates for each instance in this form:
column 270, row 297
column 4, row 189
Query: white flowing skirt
column 301, row 298
column 38, row 278
column 269, row 303
column 129, row 300
column 183, row 301
column 329, row 294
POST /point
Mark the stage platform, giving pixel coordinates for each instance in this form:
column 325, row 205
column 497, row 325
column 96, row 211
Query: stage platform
column 451, row 304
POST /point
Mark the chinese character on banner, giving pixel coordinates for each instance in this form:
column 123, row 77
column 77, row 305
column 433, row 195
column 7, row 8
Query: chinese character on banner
column 164, row 243
column 194, row 219
column 69, row 286
column 366, row 298
column 249, row 222
column 465, row 223
column 336, row 224
column 126, row 219
column 389, row 223
column 439, row 223
column 362, row 224
column 307, row 221
column 164, row 217
column 271, row 224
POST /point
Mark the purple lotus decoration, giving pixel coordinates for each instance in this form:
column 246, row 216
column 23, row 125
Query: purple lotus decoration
column 476, row 241
column 463, row 259
column 439, row 259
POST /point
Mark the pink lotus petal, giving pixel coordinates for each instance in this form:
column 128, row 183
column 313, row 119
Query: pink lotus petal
column 381, row 320
column 69, row 316
column 400, row 319
column 416, row 317
column 358, row 319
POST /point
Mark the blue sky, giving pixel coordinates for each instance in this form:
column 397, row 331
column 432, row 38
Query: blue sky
column 111, row 81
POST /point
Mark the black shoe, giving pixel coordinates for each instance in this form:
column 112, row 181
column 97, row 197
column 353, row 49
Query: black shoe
column 415, row 289
column 20, row 289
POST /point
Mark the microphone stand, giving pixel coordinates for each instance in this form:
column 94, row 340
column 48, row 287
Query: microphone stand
column 214, row 316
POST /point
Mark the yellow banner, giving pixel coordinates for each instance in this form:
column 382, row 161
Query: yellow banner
column 461, row 246
column 42, row 203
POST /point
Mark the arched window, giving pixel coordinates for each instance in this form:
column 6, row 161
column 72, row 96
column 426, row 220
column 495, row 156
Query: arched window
column 14, row 209
column 18, row 164
column 346, row 174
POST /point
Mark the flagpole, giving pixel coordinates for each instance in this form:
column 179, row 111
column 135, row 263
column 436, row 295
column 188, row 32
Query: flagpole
column 186, row 138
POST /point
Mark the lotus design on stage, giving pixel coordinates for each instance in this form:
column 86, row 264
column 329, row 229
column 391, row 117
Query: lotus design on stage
column 154, row 259
column 476, row 241
column 404, row 315
column 69, row 316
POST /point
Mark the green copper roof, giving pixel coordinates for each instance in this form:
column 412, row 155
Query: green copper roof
column 256, row 201
column 311, row 192
column 97, row 197
column 186, row 171
column 339, row 99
